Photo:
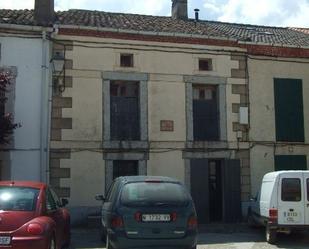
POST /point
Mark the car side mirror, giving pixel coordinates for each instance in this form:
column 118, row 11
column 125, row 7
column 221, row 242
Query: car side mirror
column 100, row 197
column 64, row 202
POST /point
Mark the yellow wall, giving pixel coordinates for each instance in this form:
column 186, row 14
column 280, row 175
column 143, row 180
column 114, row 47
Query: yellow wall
column 262, row 113
column 166, row 101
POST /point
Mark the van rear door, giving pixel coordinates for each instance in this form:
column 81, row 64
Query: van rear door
column 306, row 180
column 291, row 199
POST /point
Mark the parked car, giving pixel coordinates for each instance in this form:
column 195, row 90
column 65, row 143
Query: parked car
column 148, row 212
column 282, row 204
column 32, row 217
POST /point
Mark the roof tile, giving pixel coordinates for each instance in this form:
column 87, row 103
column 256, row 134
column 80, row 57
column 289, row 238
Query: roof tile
column 147, row 23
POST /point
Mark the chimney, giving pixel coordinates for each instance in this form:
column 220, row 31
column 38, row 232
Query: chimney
column 196, row 15
column 44, row 13
column 180, row 9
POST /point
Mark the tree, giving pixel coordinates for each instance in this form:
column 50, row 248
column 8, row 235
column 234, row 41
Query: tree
column 7, row 126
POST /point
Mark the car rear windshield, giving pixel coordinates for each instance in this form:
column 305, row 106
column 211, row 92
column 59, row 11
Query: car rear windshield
column 154, row 194
column 18, row 198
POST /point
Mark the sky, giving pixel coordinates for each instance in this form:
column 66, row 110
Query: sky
column 283, row 13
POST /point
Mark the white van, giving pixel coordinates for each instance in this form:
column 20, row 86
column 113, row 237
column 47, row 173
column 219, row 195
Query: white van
column 282, row 204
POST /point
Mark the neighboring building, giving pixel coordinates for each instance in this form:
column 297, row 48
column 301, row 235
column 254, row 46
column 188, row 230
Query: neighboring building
column 171, row 96
column 279, row 113
column 25, row 56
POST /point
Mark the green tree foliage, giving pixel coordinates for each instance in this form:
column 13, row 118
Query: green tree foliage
column 6, row 119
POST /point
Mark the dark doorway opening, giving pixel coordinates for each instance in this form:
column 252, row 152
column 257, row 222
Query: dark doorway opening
column 125, row 168
column 215, row 191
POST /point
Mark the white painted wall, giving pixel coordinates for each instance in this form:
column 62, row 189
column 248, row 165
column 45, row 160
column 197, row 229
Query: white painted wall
column 26, row 56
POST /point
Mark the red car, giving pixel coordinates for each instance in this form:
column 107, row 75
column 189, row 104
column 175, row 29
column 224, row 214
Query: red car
column 32, row 217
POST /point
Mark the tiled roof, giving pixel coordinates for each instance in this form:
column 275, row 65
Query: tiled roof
column 304, row 30
column 133, row 22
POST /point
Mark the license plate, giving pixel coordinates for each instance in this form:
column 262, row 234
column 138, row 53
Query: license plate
column 291, row 217
column 156, row 217
column 5, row 240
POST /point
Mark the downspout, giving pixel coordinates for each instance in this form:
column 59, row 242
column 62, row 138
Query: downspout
column 45, row 110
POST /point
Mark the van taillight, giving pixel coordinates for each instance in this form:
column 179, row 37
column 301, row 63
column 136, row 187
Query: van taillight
column 273, row 215
column 116, row 222
column 192, row 222
column 173, row 216
column 138, row 216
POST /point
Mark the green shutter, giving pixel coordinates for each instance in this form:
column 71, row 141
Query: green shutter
column 289, row 112
column 298, row 162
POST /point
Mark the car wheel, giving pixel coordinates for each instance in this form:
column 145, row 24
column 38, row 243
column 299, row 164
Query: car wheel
column 108, row 244
column 271, row 235
column 52, row 243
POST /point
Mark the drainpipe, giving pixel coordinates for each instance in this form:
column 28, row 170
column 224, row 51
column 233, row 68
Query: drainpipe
column 45, row 110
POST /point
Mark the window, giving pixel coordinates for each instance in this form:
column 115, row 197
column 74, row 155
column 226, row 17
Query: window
column 291, row 190
column 126, row 60
column 55, row 197
column 50, row 202
column 18, row 198
column 125, row 168
column 205, row 113
column 289, row 112
column 112, row 192
column 125, row 122
column 146, row 193
column 290, row 162
column 205, row 64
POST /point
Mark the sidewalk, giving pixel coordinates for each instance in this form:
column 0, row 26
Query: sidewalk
column 226, row 228
column 89, row 238
column 213, row 236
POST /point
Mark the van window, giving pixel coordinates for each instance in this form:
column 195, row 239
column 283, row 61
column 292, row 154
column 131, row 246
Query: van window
column 291, row 189
column 145, row 193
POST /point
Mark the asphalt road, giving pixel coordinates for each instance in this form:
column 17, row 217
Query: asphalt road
column 251, row 239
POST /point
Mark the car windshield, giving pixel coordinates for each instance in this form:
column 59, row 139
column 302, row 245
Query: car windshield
column 18, row 198
column 154, row 194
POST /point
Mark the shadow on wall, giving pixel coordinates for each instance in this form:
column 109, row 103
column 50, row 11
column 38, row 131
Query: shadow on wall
column 86, row 217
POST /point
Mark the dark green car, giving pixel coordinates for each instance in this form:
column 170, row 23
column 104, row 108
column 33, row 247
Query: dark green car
column 148, row 212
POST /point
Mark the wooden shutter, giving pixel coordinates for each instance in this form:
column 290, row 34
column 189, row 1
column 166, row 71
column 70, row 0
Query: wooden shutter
column 289, row 112
column 205, row 114
column 290, row 162
column 124, row 106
